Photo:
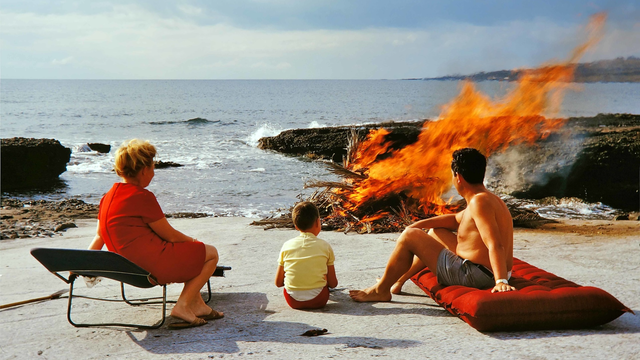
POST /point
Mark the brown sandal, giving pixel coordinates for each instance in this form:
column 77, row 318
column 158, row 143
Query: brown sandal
column 185, row 325
column 213, row 315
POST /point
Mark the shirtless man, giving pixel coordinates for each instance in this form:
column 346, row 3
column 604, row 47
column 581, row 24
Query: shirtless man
column 480, row 255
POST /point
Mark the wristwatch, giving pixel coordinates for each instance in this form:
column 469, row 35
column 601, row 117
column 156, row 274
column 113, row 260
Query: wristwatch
column 504, row 281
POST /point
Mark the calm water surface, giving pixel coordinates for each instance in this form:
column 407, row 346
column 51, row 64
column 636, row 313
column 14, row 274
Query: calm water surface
column 224, row 172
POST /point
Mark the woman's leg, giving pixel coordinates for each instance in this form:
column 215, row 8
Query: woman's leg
column 190, row 304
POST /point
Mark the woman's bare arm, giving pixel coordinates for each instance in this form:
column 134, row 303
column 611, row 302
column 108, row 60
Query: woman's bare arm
column 168, row 233
column 97, row 242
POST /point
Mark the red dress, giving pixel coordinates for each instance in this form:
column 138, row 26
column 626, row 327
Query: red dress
column 125, row 212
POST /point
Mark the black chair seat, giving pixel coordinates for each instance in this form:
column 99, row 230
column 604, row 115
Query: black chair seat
column 106, row 264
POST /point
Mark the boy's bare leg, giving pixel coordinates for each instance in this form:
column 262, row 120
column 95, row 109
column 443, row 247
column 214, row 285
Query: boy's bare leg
column 447, row 238
column 411, row 242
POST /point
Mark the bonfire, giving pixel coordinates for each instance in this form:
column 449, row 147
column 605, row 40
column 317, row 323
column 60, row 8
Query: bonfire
column 384, row 189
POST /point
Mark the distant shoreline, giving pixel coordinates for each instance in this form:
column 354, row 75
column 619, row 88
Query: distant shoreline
column 617, row 70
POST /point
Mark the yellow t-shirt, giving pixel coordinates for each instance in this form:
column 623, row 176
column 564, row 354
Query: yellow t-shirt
column 305, row 259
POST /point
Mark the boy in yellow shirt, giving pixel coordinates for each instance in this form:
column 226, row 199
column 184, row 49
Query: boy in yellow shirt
column 305, row 266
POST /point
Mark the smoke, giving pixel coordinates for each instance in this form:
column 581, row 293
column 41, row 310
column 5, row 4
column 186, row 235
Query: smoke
column 524, row 168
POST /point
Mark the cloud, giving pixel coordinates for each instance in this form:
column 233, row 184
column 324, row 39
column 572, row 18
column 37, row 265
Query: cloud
column 190, row 10
column 133, row 42
column 64, row 61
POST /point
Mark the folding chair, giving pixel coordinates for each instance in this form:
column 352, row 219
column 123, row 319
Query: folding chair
column 106, row 264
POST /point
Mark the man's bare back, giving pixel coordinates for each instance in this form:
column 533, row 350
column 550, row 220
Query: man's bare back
column 484, row 235
column 496, row 218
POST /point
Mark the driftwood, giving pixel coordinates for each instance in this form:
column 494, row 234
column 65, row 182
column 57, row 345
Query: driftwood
column 389, row 214
column 595, row 159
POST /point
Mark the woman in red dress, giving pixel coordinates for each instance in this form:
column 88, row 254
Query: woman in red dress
column 132, row 224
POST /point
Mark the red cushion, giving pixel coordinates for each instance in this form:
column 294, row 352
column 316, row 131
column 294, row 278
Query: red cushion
column 543, row 301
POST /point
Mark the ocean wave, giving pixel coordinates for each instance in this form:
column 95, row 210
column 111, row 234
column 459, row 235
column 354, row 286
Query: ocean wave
column 87, row 165
column 569, row 208
column 314, row 125
column 192, row 122
column 263, row 131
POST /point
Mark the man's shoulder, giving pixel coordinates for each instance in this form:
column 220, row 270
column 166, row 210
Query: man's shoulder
column 485, row 199
column 487, row 203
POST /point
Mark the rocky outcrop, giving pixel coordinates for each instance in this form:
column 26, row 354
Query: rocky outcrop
column 101, row 148
column 331, row 142
column 595, row 159
column 29, row 163
column 166, row 164
column 599, row 162
column 41, row 218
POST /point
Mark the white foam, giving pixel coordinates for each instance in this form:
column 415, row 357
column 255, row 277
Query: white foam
column 89, row 162
column 314, row 125
column 263, row 131
column 83, row 148
column 258, row 170
column 570, row 208
column 88, row 167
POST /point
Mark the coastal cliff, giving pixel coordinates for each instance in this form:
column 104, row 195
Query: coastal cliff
column 616, row 70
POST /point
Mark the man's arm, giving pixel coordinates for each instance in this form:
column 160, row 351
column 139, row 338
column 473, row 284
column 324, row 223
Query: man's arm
column 484, row 216
column 448, row 221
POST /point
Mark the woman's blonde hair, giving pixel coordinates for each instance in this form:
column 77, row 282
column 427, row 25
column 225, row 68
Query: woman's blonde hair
column 133, row 156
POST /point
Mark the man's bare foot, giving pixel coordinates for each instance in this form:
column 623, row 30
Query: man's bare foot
column 396, row 289
column 369, row 295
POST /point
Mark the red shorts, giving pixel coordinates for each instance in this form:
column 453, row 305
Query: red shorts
column 315, row 303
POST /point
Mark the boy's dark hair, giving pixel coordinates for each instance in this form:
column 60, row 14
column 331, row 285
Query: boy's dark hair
column 469, row 163
column 304, row 215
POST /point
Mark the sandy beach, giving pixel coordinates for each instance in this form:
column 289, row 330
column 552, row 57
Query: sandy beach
column 259, row 324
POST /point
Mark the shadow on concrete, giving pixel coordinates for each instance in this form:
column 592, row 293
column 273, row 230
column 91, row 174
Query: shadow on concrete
column 626, row 324
column 245, row 321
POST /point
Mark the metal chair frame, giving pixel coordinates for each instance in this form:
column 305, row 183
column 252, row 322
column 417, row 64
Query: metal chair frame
column 95, row 263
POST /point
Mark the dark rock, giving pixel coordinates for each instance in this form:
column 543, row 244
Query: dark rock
column 596, row 159
column 101, row 148
column 599, row 163
column 166, row 164
column 64, row 226
column 331, row 142
column 29, row 163
column 622, row 217
column 186, row 215
column 41, row 218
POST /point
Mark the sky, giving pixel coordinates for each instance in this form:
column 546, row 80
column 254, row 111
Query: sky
column 300, row 39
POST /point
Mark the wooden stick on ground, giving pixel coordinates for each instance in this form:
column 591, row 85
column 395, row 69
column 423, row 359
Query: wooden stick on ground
column 55, row 295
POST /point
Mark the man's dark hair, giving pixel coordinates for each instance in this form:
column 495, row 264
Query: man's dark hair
column 304, row 215
column 469, row 163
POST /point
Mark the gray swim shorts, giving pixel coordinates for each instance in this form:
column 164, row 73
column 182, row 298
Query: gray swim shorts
column 454, row 270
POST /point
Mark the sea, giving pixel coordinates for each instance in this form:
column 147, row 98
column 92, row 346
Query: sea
column 212, row 128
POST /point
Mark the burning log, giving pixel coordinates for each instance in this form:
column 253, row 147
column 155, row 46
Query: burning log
column 389, row 184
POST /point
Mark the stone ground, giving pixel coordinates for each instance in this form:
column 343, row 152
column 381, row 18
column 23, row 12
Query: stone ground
column 259, row 324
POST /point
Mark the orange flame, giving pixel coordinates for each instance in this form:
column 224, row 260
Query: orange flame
column 421, row 171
